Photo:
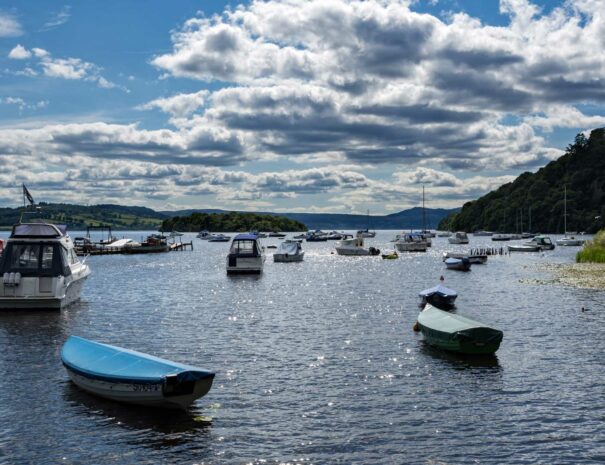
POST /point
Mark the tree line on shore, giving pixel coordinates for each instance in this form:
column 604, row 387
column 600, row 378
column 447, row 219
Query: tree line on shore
column 534, row 202
column 231, row 222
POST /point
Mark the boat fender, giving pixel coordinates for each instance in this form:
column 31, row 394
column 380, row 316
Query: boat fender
column 416, row 327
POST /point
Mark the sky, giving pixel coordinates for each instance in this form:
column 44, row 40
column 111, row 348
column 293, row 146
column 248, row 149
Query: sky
column 335, row 106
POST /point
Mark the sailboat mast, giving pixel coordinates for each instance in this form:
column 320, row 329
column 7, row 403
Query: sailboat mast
column 423, row 212
column 529, row 219
column 565, row 210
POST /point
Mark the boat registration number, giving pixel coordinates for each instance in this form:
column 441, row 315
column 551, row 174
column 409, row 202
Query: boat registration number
column 145, row 387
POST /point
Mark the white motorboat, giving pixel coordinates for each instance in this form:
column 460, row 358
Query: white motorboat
column 246, row 255
column 366, row 233
column 355, row 247
column 219, row 238
column 523, row 248
column 483, row 233
column 444, row 234
column 174, row 234
column 459, row 237
column 501, row 237
column 411, row 242
column 40, row 268
column 204, row 235
column 289, row 251
column 543, row 242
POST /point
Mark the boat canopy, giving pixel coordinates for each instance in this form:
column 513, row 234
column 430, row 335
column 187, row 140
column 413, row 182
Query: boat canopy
column 439, row 289
column 445, row 321
column 245, row 237
column 115, row 364
column 35, row 230
column 35, row 259
column 289, row 248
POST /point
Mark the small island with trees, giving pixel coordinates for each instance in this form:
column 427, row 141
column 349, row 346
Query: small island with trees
column 232, row 222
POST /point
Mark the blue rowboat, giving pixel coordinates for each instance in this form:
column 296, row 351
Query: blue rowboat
column 128, row 376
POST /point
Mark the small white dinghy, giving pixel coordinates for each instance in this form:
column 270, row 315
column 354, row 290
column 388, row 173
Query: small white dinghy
column 124, row 375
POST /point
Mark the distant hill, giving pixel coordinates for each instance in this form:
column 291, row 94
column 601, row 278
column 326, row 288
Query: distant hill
column 80, row 216
column 124, row 217
column 406, row 219
column 541, row 195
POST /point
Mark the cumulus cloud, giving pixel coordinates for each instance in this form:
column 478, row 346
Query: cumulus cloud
column 332, row 90
column 178, row 105
column 61, row 68
column 19, row 53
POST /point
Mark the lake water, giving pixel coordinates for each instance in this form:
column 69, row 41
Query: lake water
column 316, row 363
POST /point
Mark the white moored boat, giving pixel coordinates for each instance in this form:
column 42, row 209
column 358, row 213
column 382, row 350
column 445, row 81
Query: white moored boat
column 128, row 376
column 354, row 247
column 459, row 237
column 246, row 255
column 289, row 251
column 40, row 268
column 411, row 243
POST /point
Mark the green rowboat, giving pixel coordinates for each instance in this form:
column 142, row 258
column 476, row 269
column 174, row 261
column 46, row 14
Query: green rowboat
column 457, row 333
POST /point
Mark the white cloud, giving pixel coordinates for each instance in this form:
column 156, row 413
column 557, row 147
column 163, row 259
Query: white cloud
column 9, row 26
column 180, row 105
column 19, row 53
column 58, row 19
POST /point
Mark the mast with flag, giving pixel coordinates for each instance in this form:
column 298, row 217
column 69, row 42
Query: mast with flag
column 28, row 196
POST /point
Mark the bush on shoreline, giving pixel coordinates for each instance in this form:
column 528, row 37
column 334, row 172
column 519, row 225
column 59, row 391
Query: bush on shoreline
column 593, row 251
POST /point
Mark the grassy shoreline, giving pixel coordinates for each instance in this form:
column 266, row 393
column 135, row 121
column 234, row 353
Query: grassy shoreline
column 593, row 251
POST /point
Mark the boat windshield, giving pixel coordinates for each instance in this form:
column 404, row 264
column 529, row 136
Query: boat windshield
column 244, row 247
column 33, row 259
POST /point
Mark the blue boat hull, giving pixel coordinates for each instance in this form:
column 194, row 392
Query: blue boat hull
column 127, row 376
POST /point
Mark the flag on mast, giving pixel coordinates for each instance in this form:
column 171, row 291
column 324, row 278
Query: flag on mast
column 28, row 195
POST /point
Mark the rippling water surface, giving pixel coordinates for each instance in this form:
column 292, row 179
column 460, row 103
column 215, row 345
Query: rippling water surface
column 316, row 362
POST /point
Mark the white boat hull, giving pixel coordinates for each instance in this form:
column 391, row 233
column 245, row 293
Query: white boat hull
column 28, row 295
column 288, row 258
column 246, row 265
column 411, row 246
column 140, row 394
column 352, row 251
column 570, row 242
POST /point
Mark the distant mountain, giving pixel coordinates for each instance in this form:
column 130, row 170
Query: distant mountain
column 125, row 217
column 539, row 197
column 406, row 219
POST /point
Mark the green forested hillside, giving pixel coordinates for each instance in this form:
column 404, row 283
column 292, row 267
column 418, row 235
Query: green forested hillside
column 232, row 221
column 80, row 216
column 540, row 195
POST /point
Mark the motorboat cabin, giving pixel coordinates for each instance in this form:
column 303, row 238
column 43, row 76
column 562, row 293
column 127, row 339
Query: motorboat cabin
column 40, row 268
column 246, row 256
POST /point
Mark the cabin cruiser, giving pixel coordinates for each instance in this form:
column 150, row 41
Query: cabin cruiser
column 246, row 256
column 289, row 251
column 501, row 237
column 219, row 238
column 204, row 235
column 459, row 237
column 40, row 268
column 354, row 247
column 411, row 242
